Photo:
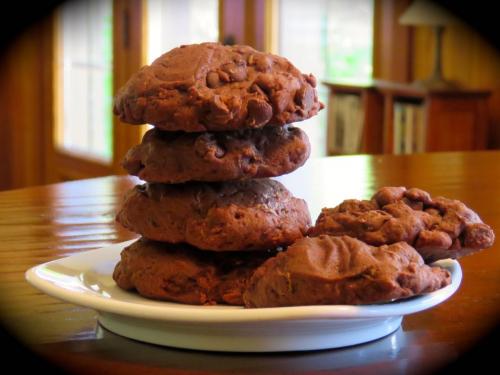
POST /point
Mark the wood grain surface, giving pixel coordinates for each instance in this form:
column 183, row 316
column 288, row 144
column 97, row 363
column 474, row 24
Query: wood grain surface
column 44, row 223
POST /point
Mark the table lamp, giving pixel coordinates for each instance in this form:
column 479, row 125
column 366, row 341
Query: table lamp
column 427, row 13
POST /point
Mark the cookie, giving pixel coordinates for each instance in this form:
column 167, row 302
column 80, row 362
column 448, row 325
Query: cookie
column 254, row 214
column 438, row 228
column 328, row 270
column 174, row 157
column 212, row 87
column 181, row 273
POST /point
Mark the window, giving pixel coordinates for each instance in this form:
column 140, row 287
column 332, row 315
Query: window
column 173, row 22
column 85, row 79
column 331, row 39
column 100, row 44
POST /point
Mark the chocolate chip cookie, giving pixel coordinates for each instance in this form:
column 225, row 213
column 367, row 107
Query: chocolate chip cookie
column 438, row 227
column 253, row 214
column 174, row 157
column 181, row 273
column 212, row 87
column 328, row 270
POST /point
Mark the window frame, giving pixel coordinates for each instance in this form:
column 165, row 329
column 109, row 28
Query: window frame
column 129, row 47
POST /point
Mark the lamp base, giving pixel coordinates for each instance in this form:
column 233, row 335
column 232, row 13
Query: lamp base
column 436, row 81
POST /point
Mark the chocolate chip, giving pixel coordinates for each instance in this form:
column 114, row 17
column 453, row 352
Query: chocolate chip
column 213, row 80
column 262, row 63
column 256, row 88
column 237, row 71
column 224, row 76
column 239, row 74
column 218, row 111
column 259, row 112
column 280, row 100
column 265, row 83
column 304, row 97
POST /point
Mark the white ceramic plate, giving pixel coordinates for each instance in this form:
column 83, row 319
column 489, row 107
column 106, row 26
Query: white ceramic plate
column 86, row 279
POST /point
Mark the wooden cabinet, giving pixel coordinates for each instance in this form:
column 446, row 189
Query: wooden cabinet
column 372, row 116
column 442, row 120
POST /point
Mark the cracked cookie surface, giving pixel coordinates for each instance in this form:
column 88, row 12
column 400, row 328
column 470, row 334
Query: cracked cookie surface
column 181, row 273
column 330, row 270
column 174, row 157
column 255, row 214
column 438, row 228
column 211, row 87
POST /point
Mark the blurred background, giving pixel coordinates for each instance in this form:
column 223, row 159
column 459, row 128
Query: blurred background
column 373, row 63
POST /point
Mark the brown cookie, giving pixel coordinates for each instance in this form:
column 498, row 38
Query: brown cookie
column 181, row 273
column 227, row 216
column 341, row 270
column 211, row 87
column 438, row 228
column 173, row 157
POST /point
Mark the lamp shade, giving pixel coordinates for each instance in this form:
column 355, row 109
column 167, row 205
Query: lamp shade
column 424, row 12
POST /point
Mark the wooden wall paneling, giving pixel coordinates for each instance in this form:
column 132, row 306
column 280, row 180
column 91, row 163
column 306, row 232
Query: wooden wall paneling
column 373, row 119
column 453, row 130
column 129, row 54
column 5, row 145
column 251, row 22
column 494, row 119
column 262, row 28
column 483, row 125
column 71, row 167
column 262, row 25
column 23, row 114
column 232, row 21
column 392, row 47
column 270, row 27
column 5, row 129
column 48, row 98
column 25, row 107
column 467, row 59
column 423, row 38
column 455, row 124
column 221, row 13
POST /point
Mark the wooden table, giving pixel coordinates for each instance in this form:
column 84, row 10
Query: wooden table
column 44, row 223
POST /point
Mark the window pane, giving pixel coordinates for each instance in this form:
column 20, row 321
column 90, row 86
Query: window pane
column 86, row 79
column 173, row 22
column 331, row 39
column 349, row 40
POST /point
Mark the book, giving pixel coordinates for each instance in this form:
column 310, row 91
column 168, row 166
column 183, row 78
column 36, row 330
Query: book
column 398, row 129
column 345, row 124
column 408, row 128
column 421, row 129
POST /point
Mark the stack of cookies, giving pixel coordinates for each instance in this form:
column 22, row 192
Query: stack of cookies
column 208, row 213
column 216, row 229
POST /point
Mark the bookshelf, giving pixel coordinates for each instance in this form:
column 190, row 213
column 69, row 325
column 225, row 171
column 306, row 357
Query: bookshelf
column 388, row 117
column 370, row 117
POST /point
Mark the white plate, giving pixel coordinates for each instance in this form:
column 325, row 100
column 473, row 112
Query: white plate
column 86, row 279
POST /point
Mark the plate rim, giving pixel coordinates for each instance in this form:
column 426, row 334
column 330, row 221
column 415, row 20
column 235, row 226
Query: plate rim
column 176, row 312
